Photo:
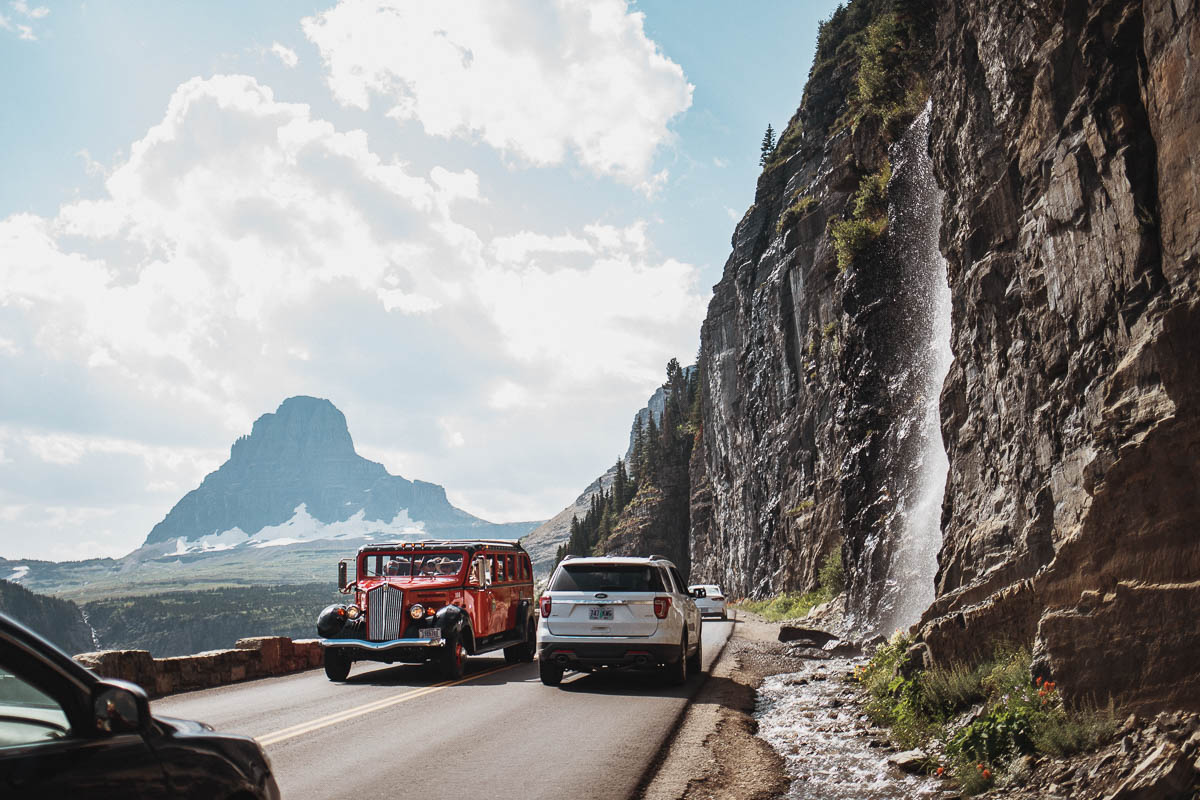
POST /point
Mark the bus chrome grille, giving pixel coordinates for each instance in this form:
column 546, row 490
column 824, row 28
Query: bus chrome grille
column 385, row 613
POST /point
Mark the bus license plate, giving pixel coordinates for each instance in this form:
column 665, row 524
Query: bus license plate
column 600, row 613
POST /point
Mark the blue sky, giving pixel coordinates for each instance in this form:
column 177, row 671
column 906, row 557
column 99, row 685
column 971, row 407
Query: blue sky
column 480, row 229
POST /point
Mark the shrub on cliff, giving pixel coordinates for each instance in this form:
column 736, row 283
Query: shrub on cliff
column 981, row 718
column 868, row 219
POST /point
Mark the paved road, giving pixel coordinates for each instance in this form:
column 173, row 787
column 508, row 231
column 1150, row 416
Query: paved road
column 394, row 731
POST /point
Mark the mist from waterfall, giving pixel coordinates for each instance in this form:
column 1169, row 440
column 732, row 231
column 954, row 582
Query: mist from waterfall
column 916, row 523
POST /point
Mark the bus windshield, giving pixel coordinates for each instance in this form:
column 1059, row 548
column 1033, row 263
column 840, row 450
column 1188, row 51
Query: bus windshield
column 412, row 565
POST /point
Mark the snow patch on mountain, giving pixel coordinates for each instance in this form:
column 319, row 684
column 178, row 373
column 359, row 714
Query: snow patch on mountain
column 304, row 527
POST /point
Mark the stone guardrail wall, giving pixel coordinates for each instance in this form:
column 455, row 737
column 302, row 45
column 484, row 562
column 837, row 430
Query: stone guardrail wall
column 256, row 657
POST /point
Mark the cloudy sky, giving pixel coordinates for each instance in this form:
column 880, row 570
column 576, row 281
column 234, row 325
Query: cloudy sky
column 479, row 228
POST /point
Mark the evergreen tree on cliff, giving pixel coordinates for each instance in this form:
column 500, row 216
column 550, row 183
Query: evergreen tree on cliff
column 768, row 147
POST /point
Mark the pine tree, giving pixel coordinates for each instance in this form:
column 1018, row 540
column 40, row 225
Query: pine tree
column 768, row 146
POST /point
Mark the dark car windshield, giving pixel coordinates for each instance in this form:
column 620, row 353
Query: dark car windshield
column 607, row 578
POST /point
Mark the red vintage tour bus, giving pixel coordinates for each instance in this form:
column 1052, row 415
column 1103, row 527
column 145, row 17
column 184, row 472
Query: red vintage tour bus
column 431, row 601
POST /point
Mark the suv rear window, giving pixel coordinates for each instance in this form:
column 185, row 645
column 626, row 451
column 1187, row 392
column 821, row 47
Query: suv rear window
column 607, row 578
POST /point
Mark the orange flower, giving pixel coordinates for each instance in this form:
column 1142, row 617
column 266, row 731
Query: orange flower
column 1050, row 685
column 940, row 770
column 1039, row 680
column 986, row 775
column 979, row 766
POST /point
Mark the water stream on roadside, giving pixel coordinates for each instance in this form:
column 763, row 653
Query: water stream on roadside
column 809, row 717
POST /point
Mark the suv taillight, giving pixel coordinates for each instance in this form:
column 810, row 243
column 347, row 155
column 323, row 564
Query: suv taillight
column 545, row 605
column 661, row 606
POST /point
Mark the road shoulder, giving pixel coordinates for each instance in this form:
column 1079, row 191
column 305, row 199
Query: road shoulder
column 715, row 753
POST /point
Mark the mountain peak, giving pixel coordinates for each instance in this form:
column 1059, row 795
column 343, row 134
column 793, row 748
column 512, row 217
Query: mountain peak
column 296, row 477
column 302, row 429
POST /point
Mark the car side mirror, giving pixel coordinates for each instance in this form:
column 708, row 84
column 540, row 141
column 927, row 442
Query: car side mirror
column 342, row 582
column 120, row 707
column 699, row 591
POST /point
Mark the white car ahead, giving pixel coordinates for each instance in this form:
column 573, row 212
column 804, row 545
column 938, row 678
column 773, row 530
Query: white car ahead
column 712, row 601
column 618, row 612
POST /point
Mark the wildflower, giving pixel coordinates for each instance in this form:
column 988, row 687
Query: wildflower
column 940, row 770
column 979, row 767
column 987, row 775
column 1039, row 680
column 1050, row 686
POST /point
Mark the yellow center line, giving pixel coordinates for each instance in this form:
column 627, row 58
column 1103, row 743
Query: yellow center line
column 292, row 732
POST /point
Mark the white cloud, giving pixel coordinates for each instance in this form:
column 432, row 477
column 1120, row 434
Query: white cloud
column 518, row 247
column 246, row 251
column 720, row 162
column 23, row 31
column 22, row 8
column 285, row 54
column 531, row 81
column 451, row 434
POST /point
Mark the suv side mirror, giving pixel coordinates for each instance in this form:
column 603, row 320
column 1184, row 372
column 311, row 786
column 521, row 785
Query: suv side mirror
column 699, row 591
column 342, row 582
column 120, row 707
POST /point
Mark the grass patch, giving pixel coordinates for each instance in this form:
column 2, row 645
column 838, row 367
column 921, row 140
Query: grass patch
column 795, row 211
column 800, row 508
column 1017, row 715
column 791, row 605
column 852, row 236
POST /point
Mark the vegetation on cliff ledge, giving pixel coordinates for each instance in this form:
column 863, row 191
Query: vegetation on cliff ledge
column 793, row 605
column 868, row 220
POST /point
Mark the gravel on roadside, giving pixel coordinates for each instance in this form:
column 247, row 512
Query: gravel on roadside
column 715, row 754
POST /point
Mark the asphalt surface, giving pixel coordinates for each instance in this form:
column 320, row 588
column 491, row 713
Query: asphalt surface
column 401, row 730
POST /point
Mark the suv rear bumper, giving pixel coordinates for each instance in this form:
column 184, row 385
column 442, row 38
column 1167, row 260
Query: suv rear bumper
column 574, row 654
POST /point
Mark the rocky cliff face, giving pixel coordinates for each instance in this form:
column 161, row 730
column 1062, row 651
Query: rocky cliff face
column 296, row 477
column 814, row 368
column 1064, row 135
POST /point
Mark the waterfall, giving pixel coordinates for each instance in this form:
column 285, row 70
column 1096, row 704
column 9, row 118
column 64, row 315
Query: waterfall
column 915, row 528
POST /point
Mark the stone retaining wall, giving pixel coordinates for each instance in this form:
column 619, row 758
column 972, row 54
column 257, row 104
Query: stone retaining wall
column 256, row 657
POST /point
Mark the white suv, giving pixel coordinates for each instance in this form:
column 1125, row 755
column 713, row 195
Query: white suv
column 618, row 612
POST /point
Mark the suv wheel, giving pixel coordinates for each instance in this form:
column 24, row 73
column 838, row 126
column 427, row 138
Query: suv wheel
column 337, row 665
column 696, row 660
column 677, row 673
column 552, row 674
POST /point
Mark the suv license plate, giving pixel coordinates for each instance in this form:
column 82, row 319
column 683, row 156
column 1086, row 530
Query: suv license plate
column 431, row 633
column 600, row 613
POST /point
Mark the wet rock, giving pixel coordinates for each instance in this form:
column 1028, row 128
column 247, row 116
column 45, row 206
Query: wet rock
column 843, row 649
column 911, row 761
column 814, row 653
column 915, row 659
column 808, row 637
